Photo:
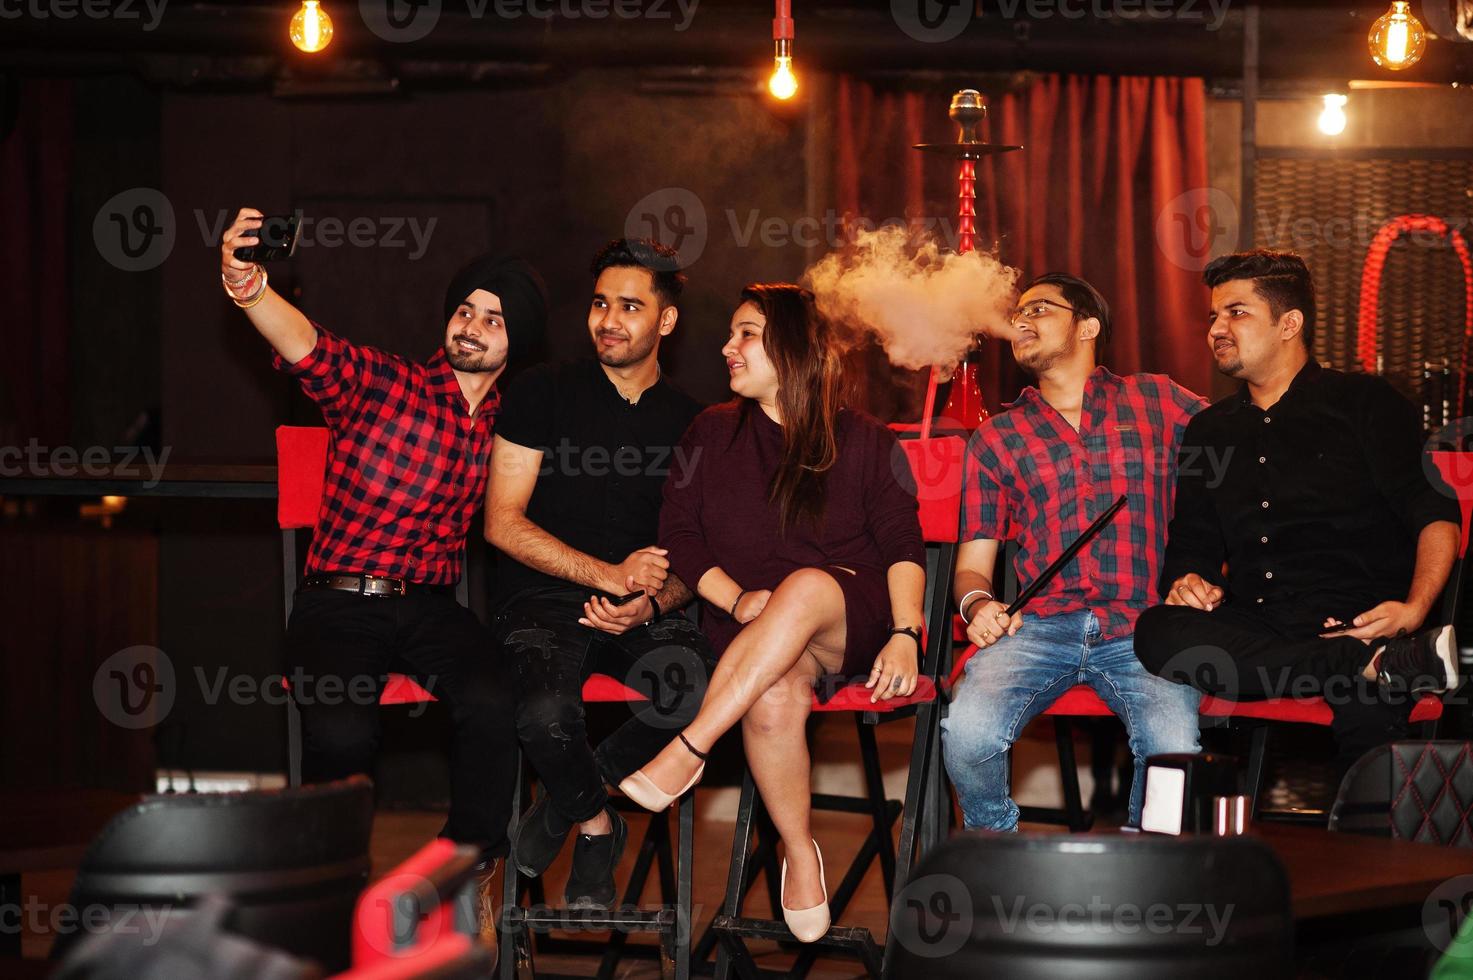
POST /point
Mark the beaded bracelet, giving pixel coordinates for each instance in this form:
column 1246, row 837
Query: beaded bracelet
column 255, row 297
column 234, row 287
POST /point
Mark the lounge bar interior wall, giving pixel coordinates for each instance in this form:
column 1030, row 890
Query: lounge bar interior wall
column 498, row 169
column 552, row 166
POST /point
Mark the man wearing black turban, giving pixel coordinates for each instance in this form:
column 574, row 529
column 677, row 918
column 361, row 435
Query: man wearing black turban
column 523, row 300
column 406, row 468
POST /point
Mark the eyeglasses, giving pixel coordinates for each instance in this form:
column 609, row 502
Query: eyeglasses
column 1035, row 309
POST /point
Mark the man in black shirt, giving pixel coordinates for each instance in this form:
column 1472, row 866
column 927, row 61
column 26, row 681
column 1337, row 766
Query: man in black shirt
column 577, row 468
column 1309, row 544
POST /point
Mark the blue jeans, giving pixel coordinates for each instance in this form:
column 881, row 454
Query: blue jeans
column 1011, row 682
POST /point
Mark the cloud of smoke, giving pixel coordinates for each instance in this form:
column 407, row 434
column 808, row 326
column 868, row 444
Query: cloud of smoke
column 925, row 306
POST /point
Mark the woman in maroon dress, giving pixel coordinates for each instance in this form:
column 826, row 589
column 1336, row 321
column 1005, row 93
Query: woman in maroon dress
column 788, row 515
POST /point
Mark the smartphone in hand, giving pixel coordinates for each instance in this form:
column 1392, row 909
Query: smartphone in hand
column 626, row 599
column 275, row 239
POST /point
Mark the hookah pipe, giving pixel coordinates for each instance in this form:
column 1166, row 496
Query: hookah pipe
column 968, row 111
column 1370, row 289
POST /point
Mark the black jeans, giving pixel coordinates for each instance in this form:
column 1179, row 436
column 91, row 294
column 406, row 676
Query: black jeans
column 341, row 648
column 1242, row 655
column 551, row 655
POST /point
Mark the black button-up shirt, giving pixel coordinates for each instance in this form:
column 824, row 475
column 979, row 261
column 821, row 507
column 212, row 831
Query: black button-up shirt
column 1314, row 504
column 604, row 460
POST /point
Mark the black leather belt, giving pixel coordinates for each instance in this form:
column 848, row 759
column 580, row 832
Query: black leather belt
column 373, row 585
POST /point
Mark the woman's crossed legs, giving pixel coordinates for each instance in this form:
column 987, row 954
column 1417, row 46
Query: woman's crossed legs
column 765, row 680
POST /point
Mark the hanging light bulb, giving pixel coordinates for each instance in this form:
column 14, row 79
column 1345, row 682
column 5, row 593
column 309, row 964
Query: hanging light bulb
column 311, row 28
column 783, row 84
column 1397, row 39
column 1332, row 117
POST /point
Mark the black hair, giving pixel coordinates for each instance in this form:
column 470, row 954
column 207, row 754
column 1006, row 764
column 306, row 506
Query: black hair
column 1281, row 278
column 662, row 262
column 1085, row 299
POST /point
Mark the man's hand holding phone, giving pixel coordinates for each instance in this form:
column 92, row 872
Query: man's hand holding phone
column 1390, row 618
column 233, row 269
column 619, row 614
column 285, row 327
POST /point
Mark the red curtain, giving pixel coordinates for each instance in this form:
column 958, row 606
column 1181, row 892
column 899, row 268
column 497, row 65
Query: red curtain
column 35, row 166
column 1103, row 158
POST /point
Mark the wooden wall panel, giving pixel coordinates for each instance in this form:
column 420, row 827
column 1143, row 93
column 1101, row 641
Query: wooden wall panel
column 69, row 600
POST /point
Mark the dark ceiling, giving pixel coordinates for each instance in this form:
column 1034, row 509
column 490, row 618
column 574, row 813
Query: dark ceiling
column 228, row 42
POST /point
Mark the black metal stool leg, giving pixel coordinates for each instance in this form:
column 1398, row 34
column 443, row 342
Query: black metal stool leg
column 1074, row 814
column 736, row 877
column 509, row 935
column 874, row 780
column 685, row 839
column 1257, row 756
column 761, row 860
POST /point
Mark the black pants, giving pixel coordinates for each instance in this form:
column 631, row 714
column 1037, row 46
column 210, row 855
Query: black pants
column 341, row 648
column 1236, row 653
column 551, row 655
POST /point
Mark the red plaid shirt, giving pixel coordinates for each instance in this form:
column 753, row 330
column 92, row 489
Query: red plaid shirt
column 407, row 466
column 1031, row 478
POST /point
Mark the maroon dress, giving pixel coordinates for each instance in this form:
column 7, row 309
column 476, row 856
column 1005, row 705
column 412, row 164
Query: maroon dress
column 716, row 512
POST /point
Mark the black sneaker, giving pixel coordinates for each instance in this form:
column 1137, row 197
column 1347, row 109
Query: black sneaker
column 1425, row 662
column 539, row 837
column 591, row 884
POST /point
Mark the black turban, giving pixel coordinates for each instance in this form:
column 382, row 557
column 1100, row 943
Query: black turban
column 523, row 299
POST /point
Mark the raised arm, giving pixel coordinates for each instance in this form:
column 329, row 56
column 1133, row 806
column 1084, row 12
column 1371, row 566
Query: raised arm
column 285, row 327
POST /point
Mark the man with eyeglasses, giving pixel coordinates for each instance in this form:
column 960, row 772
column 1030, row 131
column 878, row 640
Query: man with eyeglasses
column 1038, row 474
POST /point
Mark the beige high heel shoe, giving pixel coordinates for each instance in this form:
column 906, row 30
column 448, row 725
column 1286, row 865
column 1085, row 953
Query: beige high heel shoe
column 642, row 790
column 807, row 925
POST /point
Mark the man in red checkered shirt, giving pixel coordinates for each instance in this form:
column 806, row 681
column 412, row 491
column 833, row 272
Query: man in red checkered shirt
column 1037, row 475
column 406, row 472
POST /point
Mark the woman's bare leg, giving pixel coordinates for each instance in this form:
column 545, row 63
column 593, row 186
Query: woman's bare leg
column 805, row 615
column 777, row 754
